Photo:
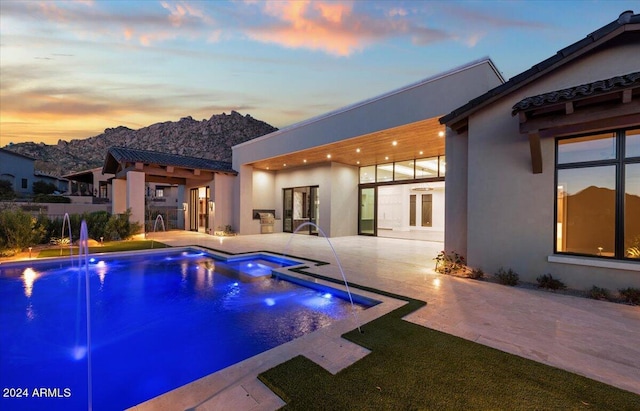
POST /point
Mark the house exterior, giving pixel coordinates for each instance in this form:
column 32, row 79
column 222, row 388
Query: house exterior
column 200, row 186
column 377, row 165
column 18, row 170
column 543, row 171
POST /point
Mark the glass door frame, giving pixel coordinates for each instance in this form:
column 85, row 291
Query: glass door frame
column 375, row 210
column 312, row 209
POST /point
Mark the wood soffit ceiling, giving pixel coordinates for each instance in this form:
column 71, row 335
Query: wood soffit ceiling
column 416, row 140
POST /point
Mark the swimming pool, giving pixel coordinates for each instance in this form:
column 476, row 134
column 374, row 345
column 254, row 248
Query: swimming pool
column 158, row 321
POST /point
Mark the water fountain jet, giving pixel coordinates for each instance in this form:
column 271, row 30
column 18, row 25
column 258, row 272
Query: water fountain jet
column 335, row 255
column 155, row 226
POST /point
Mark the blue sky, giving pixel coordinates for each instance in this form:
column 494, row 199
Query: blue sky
column 70, row 69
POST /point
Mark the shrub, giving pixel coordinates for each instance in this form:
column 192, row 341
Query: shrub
column 6, row 190
column 120, row 228
column 452, row 263
column 476, row 274
column 547, row 281
column 508, row 277
column 50, row 198
column 18, row 230
column 43, row 187
column 630, row 295
column 598, row 293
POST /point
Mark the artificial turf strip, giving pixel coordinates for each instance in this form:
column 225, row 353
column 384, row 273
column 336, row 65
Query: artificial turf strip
column 413, row 367
column 116, row 246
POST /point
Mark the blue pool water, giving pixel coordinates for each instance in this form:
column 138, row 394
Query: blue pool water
column 158, row 321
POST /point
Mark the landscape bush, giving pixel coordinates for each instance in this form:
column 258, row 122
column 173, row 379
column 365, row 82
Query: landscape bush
column 630, row 295
column 6, row 190
column 452, row 263
column 476, row 274
column 43, row 187
column 50, row 198
column 508, row 277
column 547, row 281
column 599, row 293
column 18, row 230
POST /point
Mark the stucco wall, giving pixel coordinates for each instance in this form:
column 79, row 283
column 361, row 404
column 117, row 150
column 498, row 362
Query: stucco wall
column 510, row 213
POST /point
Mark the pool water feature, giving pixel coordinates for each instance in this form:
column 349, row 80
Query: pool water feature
column 158, row 321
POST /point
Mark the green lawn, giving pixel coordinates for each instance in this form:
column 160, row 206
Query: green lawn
column 415, row 368
column 109, row 247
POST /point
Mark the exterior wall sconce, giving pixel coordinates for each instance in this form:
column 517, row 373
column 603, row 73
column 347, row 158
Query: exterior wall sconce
column 184, row 206
column 212, row 206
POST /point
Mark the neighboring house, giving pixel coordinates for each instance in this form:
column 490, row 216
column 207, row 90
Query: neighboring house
column 90, row 182
column 18, row 169
column 374, row 168
column 543, row 171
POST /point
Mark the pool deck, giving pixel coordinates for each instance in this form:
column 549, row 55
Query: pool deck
column 596, row 339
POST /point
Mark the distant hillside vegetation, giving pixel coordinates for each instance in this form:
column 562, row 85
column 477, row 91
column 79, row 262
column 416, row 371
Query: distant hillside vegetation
column 210, row 139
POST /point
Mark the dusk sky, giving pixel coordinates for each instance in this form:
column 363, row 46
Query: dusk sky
column 70, row 69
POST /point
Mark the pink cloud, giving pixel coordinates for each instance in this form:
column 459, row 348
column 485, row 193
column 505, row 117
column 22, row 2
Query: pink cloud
column 333, row 27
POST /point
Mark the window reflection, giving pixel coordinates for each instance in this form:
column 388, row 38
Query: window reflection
column 588, row 148
column 632, row 211
column 632, row 146
column 586, row 211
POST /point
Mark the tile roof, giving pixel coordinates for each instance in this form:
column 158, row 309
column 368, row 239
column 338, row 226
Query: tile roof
column 602, row 35
column 577, row 92
column 123, row 154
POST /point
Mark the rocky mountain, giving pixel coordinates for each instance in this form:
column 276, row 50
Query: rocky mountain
column 210, row 139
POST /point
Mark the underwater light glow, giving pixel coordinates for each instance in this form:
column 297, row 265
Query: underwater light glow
column 29, row 276
column 92, row 260
column 327, row 295
column 270, row 302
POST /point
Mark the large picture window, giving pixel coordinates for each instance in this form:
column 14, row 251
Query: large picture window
column 598, row 195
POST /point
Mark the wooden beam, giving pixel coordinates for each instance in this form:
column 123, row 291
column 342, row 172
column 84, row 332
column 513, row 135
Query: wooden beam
column 627, row 95
column 522, row 117
column 568, row 107
column 139, row 166
column 536, row 152
column 170, row 169
column 196, row 172
column 580, row 116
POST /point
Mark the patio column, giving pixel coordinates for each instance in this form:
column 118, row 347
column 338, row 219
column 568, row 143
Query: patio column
column 135, row 196
column 119, row 196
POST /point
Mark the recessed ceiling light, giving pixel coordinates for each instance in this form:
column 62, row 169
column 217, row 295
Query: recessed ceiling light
column 440, row 133
column 357, row 150
column 386, row 157
column 420, row 153
column 284, row 165
column 394, row 143
column 357, row 162
column 304, row 161
column 328, row 155
column 267, row 168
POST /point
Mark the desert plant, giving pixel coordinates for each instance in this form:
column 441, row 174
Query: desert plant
column 630, row 295
column 476, row 273
column 599, row 293
column 547, row 281
column 508, row 277
column 452, row 263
